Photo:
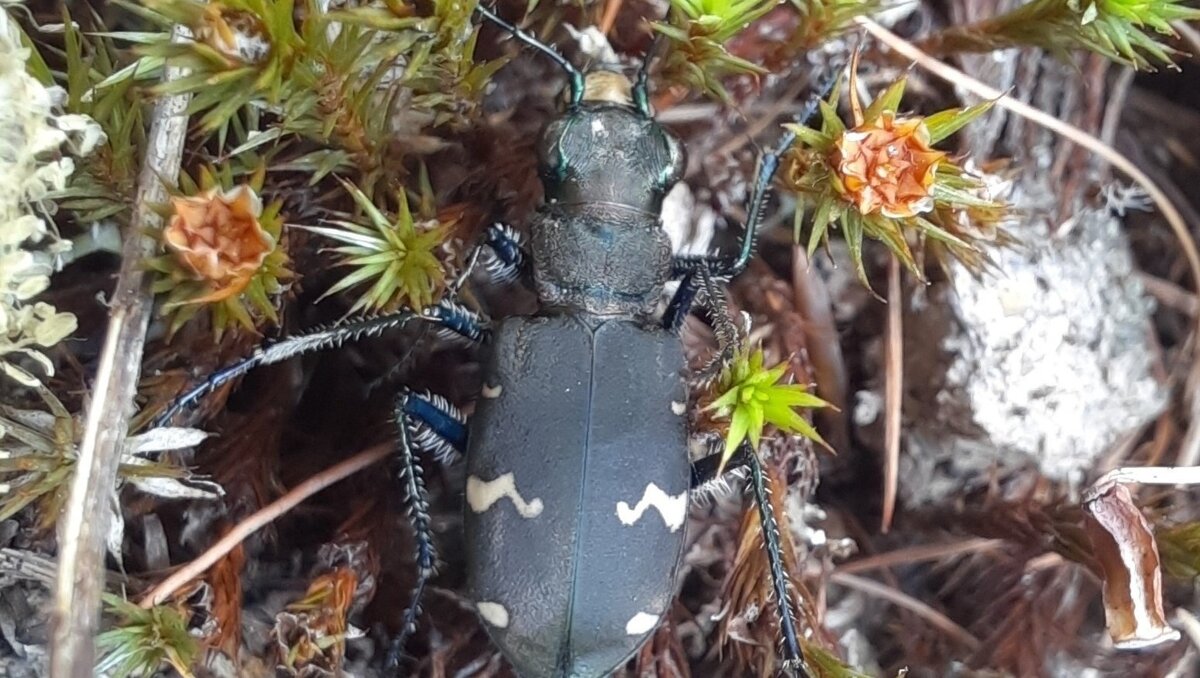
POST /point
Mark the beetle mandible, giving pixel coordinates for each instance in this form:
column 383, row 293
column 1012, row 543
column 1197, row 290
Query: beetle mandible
column 574, row 530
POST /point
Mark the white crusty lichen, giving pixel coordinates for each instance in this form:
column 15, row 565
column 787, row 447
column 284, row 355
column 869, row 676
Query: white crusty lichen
column 33, row 137
column 1046, row 364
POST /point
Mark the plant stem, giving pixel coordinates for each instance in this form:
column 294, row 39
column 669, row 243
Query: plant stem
column 263, row 517
column 85, row 520
column 893, row 393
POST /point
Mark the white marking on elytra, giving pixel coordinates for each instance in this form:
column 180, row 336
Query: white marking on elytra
column 597, row 126
column 492, row 392
column 640, row 623
column 481, row 494
column 495, row 614
column 673, row 509
column 678, row 408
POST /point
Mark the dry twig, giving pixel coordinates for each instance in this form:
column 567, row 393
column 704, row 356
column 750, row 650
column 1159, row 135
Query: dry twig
column 897, row 597
column 915, row 554
column 893, row 393
column 812, row 302
column 263, row 517
column 611, row 9
column 86, row 517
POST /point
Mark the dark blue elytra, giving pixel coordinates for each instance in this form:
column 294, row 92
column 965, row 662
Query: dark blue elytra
column 575, row 517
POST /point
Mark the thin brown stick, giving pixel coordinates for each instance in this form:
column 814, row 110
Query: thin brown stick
column 611, row 10
column 263, row 517
column 1189, row 624
column 85, row 519
column 902, row 599
column 917, row 554
column 1170, row 295
column 813, row 303
column 893, row 394
column 979, row 89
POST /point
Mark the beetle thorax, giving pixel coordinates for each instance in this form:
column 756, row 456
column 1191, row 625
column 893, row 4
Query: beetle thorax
column 598, row 243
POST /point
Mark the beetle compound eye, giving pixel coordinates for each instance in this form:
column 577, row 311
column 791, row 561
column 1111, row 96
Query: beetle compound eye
column 677, row 157
column 552, row 164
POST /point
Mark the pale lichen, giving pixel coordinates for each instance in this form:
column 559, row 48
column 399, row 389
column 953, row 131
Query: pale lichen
column 32, row 137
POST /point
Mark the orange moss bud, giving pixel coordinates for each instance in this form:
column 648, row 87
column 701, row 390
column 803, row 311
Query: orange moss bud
column 217, row 236
column 239, row 36
column 887, row 166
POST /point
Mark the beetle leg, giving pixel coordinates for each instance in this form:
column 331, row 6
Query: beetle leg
column 768, row 164
column 781, row 586
column 505, row 258
column 706, row 484
column 446, row 314
column 681, row 303
column 424, row 423
column 714, row 295
column 728, row 337
column 437, row 426
column 641, row 91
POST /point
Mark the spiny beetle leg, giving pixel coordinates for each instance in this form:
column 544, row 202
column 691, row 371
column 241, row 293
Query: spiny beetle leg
column 704, row 469
column 728, row 338
column 793, row 658
column 447, row 314
column 681, row 304
column 505, row 258
column 768, row 164
column 706, row 483
column 745, row 464
column 424, row 423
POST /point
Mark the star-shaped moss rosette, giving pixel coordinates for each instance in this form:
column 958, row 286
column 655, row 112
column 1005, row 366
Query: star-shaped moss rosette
column 143, row 641
column 750, row 397
column 242, row 51
column 222, row 253
column 823, row 20
column 1121, row 30
column 401, row 258
column 696, row 32
column 881, row 178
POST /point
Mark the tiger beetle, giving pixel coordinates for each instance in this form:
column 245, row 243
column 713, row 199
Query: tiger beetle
column 579, row 474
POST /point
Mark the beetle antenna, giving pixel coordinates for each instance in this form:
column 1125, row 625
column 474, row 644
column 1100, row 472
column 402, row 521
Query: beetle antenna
column 573, row 74
column 641, row 91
